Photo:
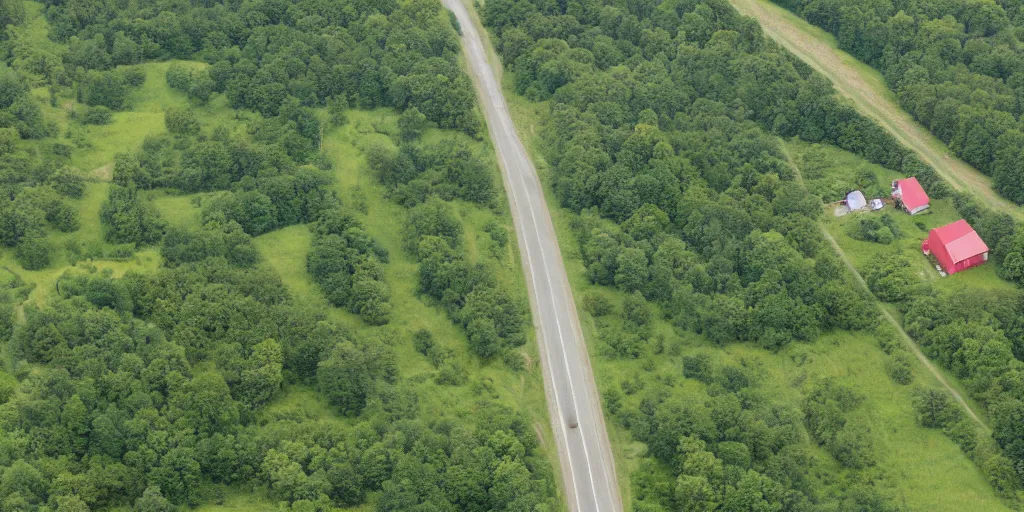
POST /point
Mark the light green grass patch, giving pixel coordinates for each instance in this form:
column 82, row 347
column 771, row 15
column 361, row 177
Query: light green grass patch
column 179, row 210
column 146, row 117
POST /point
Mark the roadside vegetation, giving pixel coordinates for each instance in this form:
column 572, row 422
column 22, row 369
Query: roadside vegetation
column 660, row 125
column 202, row 304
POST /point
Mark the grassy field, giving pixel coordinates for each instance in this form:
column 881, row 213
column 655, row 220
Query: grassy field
column 145, row 117
column 870, row 94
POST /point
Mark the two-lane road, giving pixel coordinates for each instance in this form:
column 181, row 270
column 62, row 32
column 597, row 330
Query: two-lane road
column 584, row 452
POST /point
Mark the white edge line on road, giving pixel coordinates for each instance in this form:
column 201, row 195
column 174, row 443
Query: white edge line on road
column 554, row 301
column 554, row 384
column 533, row 277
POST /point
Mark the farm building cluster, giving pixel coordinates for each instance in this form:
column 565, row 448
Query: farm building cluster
column 956, row 246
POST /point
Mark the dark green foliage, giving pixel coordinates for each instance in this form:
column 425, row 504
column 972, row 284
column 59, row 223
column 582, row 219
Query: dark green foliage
column 346, row 376
column 129, row 218
column 977, row 336
column 411, row 124
column 450, row 170
column 825, row 407
column 891, row 278
column 423, row 341
column 108, row 89
column 188, row 346
column 347, row 264
column 935, row 408
column 898, row 368
column 869, row 228
column 597, row 304
column 435, row 218
column 251, row 209
column 33, row 252
column 264, row 54
column 198, row 85
column 151, row 392
column 214, row 240
column 12, row 12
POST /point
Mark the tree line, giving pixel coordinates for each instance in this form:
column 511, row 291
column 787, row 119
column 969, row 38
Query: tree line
column 264, row 53
column 160, row 390
column 957, row 67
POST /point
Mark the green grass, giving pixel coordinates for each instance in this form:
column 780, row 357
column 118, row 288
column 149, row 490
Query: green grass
column 927, row 469
column 125, row 134
column 178, row 210
column 145, row 117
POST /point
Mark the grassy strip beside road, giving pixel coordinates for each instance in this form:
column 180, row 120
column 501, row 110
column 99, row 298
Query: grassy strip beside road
column 870, row 94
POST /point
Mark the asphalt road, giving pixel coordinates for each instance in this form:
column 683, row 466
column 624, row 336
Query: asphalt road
column 584, row 452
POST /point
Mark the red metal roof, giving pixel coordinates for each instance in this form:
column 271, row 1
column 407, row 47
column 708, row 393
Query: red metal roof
column 911, row 193
column 960, row 240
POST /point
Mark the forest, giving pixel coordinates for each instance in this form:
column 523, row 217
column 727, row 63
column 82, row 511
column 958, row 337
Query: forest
column 663, row 141
column 197, row 381
column 956, row 66
column 297, row 284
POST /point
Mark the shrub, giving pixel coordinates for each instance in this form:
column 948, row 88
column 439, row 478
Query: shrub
column 698, row 367
column 423, row 341
column 898, row 368
column 179, row 77
column 135, row 76
column 67, row 183
column 97, row 115
column 597, row 304
column 181, row 121
column 33, row 252
column 935, row 408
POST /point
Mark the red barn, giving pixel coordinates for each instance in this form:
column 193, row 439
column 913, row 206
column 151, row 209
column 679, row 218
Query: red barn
column 957, row 246
column 910, row 193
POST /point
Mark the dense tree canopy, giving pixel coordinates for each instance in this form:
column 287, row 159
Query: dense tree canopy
column 265, row 54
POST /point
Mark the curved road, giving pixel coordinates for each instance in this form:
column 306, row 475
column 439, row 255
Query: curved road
column 585, row 453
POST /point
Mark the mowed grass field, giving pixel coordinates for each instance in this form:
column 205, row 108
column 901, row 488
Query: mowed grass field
column 923, row 468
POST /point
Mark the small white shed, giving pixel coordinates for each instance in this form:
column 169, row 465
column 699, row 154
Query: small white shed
column 856, row 201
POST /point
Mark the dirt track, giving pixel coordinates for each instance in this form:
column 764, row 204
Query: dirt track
column 869, row 93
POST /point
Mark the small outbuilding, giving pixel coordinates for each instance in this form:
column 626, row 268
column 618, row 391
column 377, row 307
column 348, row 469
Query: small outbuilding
column 957, row 247
column 856, row 201
column 909, row 193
